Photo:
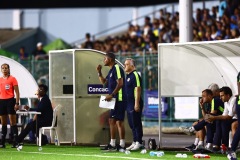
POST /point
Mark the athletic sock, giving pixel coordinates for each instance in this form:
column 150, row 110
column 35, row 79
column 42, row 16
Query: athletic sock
column 192, row 129
column 200, row 143
column 122, row 143
column 113, row 142
column 196, row 141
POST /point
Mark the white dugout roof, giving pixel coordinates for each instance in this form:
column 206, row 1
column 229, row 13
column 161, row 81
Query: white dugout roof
column 26, row 82
column 185, row 69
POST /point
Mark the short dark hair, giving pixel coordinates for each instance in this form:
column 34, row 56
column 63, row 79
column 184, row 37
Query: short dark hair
column 208, row 91
column 226, row 90
column 45, row 87
column 111, row 55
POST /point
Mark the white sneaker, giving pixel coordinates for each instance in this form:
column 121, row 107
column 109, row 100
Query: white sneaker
column 209, row 148
column 199, row 147
column 132, row 145
column 186, row 130
column 136, row 147
column 232, row 156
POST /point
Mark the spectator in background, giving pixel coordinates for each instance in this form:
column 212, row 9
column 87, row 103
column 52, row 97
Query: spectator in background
column 88, row 43
column 39, row 53
column 222, row 7
column 208, row 25
column 22, row 54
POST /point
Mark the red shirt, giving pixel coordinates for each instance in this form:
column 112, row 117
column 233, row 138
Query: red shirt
column 7, row 87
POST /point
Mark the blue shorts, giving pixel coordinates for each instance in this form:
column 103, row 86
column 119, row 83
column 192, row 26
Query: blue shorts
column 118, row 112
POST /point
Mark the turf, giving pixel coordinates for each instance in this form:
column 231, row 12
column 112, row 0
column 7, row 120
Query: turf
column 52, row 152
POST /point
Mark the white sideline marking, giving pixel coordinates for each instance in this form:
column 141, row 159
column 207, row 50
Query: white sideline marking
column 85, row 155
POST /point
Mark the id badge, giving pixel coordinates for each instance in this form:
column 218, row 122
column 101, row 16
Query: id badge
column 7, row 86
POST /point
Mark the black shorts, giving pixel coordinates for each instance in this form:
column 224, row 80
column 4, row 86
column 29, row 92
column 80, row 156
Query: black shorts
column 118, row 112
column 7, row 106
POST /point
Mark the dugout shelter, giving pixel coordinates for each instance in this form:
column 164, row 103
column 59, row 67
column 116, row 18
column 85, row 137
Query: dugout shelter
column 186, row 69
column 74, row 86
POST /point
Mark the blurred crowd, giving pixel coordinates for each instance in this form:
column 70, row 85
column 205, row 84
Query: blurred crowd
column 218, row 23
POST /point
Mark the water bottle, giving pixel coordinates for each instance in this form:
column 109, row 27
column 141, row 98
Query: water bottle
column 180, row 155
column 127, row 152
column 158, row 154
column 152, row 153
column 56, row 140
column 143, row 151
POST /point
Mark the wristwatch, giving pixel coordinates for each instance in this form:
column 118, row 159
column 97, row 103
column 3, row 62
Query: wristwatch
column 17, row 103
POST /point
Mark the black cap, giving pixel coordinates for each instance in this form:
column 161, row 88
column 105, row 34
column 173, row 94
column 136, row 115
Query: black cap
column 111, row 55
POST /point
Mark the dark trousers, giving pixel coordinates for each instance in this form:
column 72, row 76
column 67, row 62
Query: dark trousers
column 31, row 126
column 236, row 136
column 223, row 127
column 217, row 140
column 135, row 123
column 210, row 129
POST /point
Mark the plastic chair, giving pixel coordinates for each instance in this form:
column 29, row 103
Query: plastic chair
column 51, row 128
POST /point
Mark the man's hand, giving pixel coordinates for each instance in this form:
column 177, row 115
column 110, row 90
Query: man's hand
column 201, row 102
column 16, row 107
column 137, row 107
column 99, row 68
column 209, row 118
column 26, row 107
column 108, row 97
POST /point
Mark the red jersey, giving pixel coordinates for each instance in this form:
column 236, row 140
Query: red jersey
column 7, row 87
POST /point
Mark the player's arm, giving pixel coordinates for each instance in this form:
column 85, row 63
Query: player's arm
column 118, row 87
column 115, row 91
column 16, row 89
column 202, row 107
column 238, row 84
column 215, row 109
column 100, row 76
column 137, row 99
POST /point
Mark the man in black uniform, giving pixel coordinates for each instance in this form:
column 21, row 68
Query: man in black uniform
column 42, row 120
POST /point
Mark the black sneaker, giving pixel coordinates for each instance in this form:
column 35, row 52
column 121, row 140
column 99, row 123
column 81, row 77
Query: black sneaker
column 120, row 148
column 15, row 145
column 109, row 147
column 216, row 149
column 190, row 148
column 2, row 146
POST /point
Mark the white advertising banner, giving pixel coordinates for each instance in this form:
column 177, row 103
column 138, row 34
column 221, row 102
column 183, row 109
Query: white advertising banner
column 186, row 107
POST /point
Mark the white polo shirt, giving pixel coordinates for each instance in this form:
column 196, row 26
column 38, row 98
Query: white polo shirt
column 230, row 108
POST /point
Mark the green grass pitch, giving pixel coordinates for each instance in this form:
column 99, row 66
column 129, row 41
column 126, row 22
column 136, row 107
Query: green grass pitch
column 52, row 152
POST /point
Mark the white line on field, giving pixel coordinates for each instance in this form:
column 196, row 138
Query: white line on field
column 85, row 155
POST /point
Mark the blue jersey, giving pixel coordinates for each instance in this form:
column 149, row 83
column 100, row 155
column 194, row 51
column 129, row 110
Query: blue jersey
column 218, row 105
column 133, row 80
column 114, row 74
